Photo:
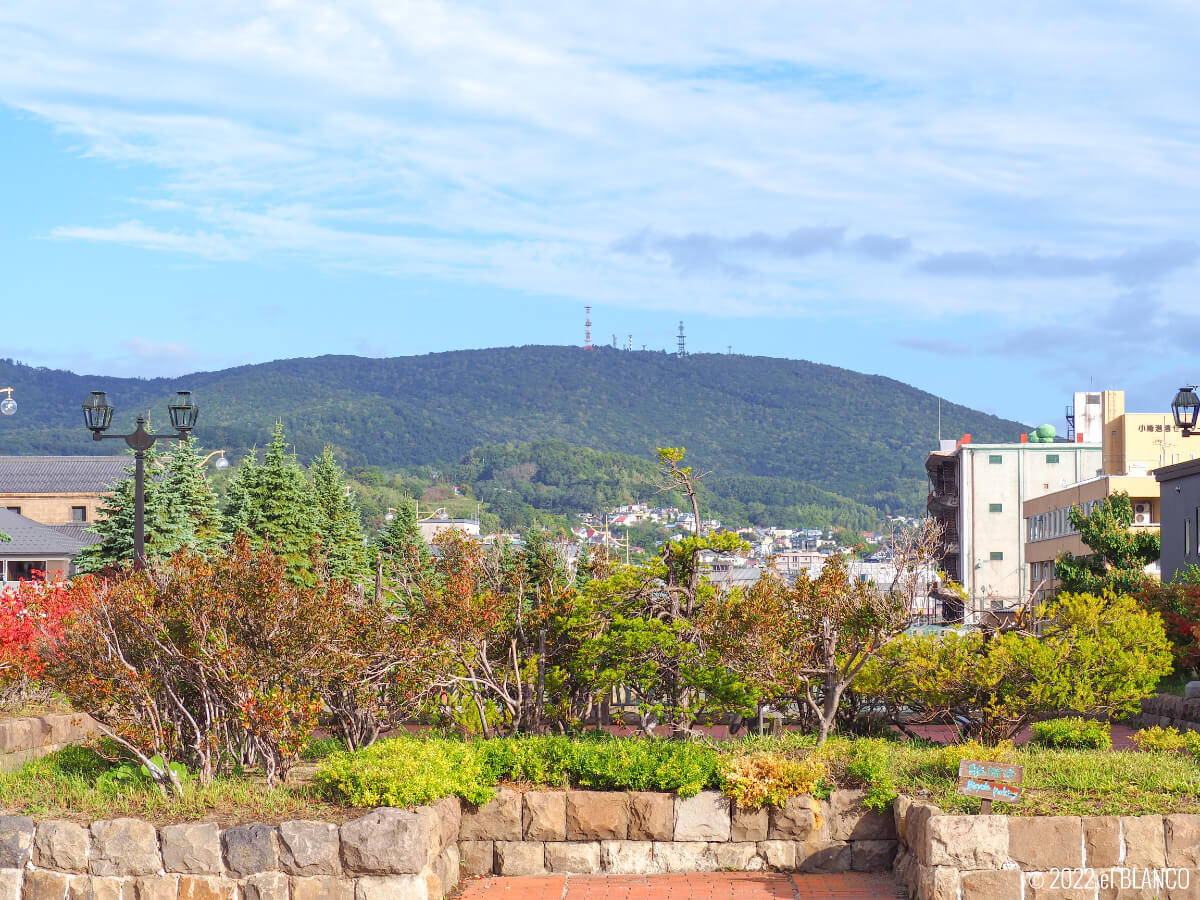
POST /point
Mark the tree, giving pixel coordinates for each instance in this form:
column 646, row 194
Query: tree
column 1120, row 555
column 1089, row 655
column 273, row 505
column 191, row 508
column 338, row 521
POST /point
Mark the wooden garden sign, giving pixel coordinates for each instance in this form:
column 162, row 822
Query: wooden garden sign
column 990, row 781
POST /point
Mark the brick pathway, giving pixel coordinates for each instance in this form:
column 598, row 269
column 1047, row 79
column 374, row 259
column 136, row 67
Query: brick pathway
column 699, row 886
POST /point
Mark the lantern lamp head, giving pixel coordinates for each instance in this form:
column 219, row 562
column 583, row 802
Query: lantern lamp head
column 1186, row 408
column 184, row 412
column 97, row 413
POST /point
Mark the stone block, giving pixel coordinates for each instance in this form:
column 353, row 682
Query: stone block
column 651, row 816
column 387, row 842
column 1101, row 841
column 900, row 807
column 207, row 887
column 448, row 811
column 939, row 883
column 266, row 886
column 1183, row 840
column 191, row 849
column 1041, row 843
column 156, row 887
column 250, row 849
column 684, row 856
column 823, row 856
column 10, row 884
column 704, row 817
column 520, row 858
column 448, row 868
column 966, row 842
column 573, row 858
column 544, row 817
column 101, row 887
column 124, row 847
column 61, row 845
column 739, row 856
column 995, row 884
column 16, row 841
column 310, row 848
column 749, row 824
column 392, row 887
column 478, row 857
column 322, row 887
column 627, row 857
column 1119, row 883
column 849, row 820
column 1191, row 690
column 872, row 856
column 497, row 820
column 1145, row 842
column 597, row 815
column 916, row 827
column 43, row 885
column 798, row 819
column 778, row 855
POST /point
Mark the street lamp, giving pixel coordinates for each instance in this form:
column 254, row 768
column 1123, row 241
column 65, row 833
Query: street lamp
column 97, row 415
column 221, row 463
column 1186, row 409
column 8, row 405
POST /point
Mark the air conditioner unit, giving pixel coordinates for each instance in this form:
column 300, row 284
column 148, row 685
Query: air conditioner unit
column 1141, row 518
column 1141, row 508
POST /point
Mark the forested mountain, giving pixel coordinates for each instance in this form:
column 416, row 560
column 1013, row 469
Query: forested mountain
column 742, row 417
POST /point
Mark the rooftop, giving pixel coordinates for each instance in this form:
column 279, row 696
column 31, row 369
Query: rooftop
column 30, row 538
column 61, row 474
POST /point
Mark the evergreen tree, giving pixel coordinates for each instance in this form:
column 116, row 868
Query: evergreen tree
column 190, row 502
column 338, row 521
column 273, row 503
column 401, row 551
column 163, row 533
column 1121, row 553
column 239, row 497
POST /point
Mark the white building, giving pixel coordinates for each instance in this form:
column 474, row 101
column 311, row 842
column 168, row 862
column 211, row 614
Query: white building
column 977, row 492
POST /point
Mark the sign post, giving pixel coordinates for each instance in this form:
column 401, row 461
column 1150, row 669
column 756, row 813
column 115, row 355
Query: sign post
column 990, row 781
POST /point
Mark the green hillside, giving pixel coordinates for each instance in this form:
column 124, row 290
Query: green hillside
column 862, row 437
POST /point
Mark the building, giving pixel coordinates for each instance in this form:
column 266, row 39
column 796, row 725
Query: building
column 978, row 492
column 430, row 527
column 1179, row 485
column 59, row 490
column 1133, row 445
column 35, row 550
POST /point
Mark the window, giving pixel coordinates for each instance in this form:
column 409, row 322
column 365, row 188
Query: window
column 995, row 507
column 29, row 571
column 1052, row 457
column 997, row 555
column 995, row 459
column 78, row 513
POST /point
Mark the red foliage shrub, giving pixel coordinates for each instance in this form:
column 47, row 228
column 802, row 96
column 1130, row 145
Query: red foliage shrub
column 1179, row 606
column 31, row 613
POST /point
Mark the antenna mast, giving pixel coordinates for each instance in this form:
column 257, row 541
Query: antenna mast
column 682, row 350
column 587, row 329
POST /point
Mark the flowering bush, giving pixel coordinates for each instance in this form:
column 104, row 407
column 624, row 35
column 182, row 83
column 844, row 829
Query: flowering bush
column 30, row 613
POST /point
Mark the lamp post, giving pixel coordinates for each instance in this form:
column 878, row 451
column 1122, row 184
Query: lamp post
column 97, row 415
column 8, row 405
column 1186, row 409
column 221, row 463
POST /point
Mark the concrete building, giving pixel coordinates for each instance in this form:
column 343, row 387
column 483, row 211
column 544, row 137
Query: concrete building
column 59, row 490
column 1180, row 518
column 35, row 550
column 430, row 527
column 978, row 493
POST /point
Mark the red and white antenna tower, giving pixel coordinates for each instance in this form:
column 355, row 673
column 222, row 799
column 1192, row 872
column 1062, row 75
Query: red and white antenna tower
column 587, row 333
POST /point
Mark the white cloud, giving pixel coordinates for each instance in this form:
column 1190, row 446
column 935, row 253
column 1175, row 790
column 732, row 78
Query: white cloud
column 512, row 147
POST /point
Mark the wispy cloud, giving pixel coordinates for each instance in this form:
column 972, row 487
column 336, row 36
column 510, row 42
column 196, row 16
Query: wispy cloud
column 1145, row 264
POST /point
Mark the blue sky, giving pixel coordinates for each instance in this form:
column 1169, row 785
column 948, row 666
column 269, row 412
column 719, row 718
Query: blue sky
column 997, row 203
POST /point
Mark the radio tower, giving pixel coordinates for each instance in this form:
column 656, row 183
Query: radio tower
column 587, row 329
column 682, row 351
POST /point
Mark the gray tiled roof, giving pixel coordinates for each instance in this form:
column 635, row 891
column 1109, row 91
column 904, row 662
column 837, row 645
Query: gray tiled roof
column 77, row 533
column 60, row 474
column 32, row 539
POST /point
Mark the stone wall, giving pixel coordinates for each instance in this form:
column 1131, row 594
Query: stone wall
column 24, row 739
column 582, row 832
column 1169, row 711
column 995, row 857
column 388, row 853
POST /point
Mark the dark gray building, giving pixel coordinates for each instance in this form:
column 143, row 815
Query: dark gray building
column 1179, row 496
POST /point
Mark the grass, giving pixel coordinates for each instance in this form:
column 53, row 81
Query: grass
column 79, row 785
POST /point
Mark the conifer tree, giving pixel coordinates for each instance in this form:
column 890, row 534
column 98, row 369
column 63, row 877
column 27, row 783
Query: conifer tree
column 190, row 503
column 273, row 503
column 115, row 524
column 338, row 521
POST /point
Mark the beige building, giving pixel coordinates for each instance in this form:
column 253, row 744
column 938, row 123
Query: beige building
column 1133, row 445
column 59, row 490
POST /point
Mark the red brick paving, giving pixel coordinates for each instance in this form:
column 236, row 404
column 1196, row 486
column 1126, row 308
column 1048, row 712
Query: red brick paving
column 697, row 886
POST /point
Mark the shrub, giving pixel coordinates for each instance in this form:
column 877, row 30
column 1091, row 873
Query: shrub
column 31, row 613
column 870, row 763
column 950, row 756
column 1179, row 605
column 405, row 772
column 770, row 777
column 1090, row 655
column 1073, row 733
column 1169, row 740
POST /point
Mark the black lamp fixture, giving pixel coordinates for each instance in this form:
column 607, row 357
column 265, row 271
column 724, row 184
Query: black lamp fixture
column 97, row 416
column 1186, row 409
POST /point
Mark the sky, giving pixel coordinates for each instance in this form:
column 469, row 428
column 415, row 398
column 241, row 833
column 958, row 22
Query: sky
column 993, row 202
